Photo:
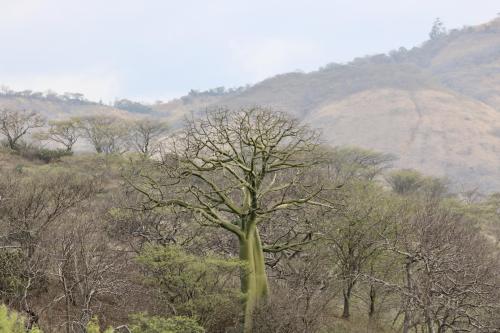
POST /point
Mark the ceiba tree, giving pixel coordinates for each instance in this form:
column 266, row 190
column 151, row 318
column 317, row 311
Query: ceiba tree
column 237, row 170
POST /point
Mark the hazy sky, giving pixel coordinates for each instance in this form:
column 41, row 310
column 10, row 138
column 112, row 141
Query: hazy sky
column 159, row 49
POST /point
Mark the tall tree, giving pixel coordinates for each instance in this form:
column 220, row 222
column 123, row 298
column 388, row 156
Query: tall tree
column 438, row 29
column 146, row 133
column 236, row 170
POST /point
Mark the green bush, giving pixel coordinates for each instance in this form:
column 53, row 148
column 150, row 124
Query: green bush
column 42, row 154
column 204, row 287
column 11, row 322
column 50, row 155
column 11, row 277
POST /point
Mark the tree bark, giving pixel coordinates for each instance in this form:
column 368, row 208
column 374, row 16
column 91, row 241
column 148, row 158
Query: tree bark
column 347, row 302
column 429, row 323
column 67, row 303
column 373, row 295
column 254, row 285
column 11, row 143
column 406, row 322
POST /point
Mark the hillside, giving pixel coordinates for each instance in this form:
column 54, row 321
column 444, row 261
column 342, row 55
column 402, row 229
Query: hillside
column 56, row 108
column 437, row 106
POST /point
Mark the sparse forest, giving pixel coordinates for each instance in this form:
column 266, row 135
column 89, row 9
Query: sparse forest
column 242, row 220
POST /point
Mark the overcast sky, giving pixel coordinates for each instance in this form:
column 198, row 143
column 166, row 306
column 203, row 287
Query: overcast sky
column 160, row 49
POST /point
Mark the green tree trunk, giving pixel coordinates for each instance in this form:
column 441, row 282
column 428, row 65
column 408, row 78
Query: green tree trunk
column 254, row 285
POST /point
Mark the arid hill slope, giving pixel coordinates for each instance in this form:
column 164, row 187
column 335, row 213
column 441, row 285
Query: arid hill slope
column 437, row 107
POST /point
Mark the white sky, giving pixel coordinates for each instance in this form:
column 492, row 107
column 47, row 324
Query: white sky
column 160, row 49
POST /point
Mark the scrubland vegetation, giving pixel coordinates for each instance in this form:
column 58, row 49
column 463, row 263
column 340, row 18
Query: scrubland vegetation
column 240, row 221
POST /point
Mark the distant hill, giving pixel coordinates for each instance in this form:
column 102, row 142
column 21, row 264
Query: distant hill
column 436, row 106
column 54, row 106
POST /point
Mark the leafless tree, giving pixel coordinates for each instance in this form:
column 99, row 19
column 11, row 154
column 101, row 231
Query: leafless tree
column 107, row 135
column 304, row 291
column 450, row 274
column 14, row 125
column 88, row 268
column 65, row 132
column 146, row 133
column 352, row 235
column 236, row 170
column 30, row 206
column 351, row 163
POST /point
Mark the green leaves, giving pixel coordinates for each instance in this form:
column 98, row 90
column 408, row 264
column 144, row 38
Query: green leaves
column 12, row 322
column 93, row 327
column 204, row 287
